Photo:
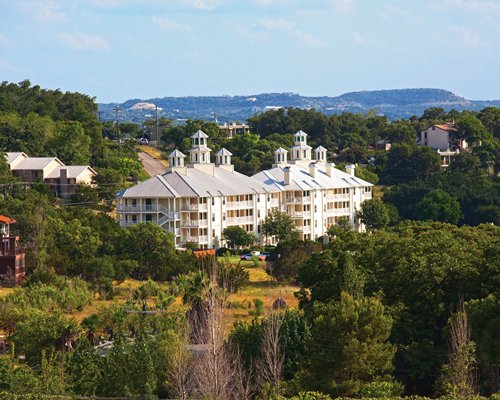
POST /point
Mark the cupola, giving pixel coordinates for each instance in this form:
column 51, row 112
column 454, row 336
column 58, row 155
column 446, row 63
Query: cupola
column 320, row 154
column 280, row 156
column 300, row 149
column 176, row 159
column 199, row 152
column 223, row 157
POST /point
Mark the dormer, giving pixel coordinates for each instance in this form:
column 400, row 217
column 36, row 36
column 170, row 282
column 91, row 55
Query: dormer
column 223, row 157
column 199, row 152
column 176, row 159
column 280, row 156
column 300, row 150
column 320, row 154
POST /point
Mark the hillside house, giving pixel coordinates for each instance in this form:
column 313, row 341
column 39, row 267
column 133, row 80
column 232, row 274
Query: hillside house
column 12, row 256
column 233, row 129
column 62, row 179
column 444, row 139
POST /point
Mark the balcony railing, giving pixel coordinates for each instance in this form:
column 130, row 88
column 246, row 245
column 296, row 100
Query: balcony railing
column 194, row 207
column 137, row 208
column 337, row 211
column 300, row 214
column 194, row 223
column 239, row 204
column 240, row 220
column 334, row 197
column 303, row 229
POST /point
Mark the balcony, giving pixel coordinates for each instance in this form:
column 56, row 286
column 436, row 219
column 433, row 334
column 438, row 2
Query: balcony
column 137, row 208
column 273, row 203
column 303, row 229
column 337, row 211
column 194, row 207
column 240, row 220
column 195, row 223
column 236, row 205
column 300, row 214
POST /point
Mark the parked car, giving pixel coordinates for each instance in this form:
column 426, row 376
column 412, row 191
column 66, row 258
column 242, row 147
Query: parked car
column 143, row 141
column 249, row 257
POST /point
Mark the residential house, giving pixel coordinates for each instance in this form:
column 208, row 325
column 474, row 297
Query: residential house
column 12, row 256
column 234, row 129
column 444, row 139
column 62, row 179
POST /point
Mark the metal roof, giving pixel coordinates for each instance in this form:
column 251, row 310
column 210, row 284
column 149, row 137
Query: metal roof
column 224, row 152
column 36, row 163
column 300, row 133
column 199, row 134
column 176, row 153
column 280, row 150
column 300, row 179
column 12, row 156
column 73, row 171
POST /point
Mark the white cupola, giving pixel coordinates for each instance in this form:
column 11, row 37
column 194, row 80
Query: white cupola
column 223, row 157
column 300, row 149
column 176, row 159
column 320, row 154
column 280, row 156
column 199, row 152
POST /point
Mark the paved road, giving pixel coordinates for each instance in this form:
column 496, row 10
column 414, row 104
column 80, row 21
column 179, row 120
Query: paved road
column 151, row 165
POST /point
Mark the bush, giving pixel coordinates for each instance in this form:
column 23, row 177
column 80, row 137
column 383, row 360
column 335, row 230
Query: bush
column 220, row 252
column 259, row 308
column 380, row 389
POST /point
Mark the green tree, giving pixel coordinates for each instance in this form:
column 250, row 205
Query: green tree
column 374, row 214
column 236, row 237
column 349, row 345
column 437, row 205
column 279, row 225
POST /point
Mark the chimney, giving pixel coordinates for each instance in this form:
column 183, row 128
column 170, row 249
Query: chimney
column 349, row 168
column 286, row 170
column 329, row 168
column 312, row 170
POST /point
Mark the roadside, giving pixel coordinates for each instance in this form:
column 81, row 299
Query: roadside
column 152, row 165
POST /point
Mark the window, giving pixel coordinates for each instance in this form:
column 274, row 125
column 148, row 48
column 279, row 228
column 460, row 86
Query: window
column 149, row 218
column 196, row 157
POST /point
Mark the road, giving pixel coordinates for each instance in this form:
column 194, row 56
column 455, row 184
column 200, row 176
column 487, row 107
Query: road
column 151, row 165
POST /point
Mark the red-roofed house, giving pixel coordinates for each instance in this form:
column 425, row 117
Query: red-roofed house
column 443, row 138
column 12, row 257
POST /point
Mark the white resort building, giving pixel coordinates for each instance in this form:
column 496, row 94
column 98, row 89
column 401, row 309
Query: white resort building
column 197, row 201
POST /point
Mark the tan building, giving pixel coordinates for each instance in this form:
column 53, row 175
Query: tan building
column 62, row 179
column 234, row 129
column 443, row 138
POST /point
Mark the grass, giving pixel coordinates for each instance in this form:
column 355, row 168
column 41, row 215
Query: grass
column 261, row 286
column 155, row 153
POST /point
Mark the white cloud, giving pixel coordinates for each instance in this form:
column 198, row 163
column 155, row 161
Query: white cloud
column 43, row 10
column 469, row 38
column 482, row 6
column 170, row 25
column 359, row 38
column 273, row 2
column 202, row 4
column 341, row 6
column 81, row 41
column 289, row 29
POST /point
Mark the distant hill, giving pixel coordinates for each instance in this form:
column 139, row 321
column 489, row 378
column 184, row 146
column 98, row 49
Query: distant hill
column 395, row 104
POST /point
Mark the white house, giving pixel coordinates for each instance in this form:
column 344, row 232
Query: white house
column 443, row 138
column 197, row 201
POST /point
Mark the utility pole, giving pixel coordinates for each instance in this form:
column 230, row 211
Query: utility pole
column 119, row 136
column 99, row 115
column 157, row 137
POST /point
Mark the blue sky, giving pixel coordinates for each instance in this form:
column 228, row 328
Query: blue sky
column 120, row 49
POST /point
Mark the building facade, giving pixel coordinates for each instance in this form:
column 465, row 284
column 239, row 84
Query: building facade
column 12, row 256
column 61, row 179
column 443, row 138
column 198, row 200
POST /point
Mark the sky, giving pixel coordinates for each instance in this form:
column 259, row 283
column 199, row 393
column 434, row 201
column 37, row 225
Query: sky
column 116, row 50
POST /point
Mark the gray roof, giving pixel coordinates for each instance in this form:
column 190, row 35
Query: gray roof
column 36, row 163
column 320, row 148
column 199, row 134
column 13, row 155
column 197, row 183
column 300, row 179
column 300, row 133
column 176, row 153
column 73, row 171
column 280, row 150
column 224, row 152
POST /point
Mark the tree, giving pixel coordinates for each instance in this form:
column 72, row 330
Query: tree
column 459, row 375
column 236, row 236
column 280, row 225
column 349, row 345
column 270, row 366
column 374, row 214
column 437, row 205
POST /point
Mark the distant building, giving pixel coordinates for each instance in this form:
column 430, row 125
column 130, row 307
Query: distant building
column 62, row 179
column 443, row 138
column 197, row 201
column 12, row 257
column 234, row 129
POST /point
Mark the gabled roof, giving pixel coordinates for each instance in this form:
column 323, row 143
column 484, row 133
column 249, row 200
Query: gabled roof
column 300, row 179
column 446, row 127
column 12, row 156
column 224, row 152
column 36, row 163
column 300, row 133
column 176, row 153
column 7, row 220
column 199, row 134
column 72, row 171
column 319, row 148
column 153, row 187
column 280, row 150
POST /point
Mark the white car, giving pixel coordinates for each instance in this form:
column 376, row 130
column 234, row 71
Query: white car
column 143, row 141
